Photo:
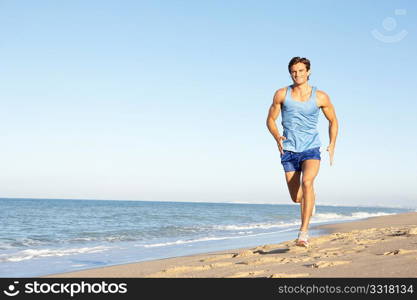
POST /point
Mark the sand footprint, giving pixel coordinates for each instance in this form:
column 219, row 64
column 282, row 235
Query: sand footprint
column 221, row 265
column 412, row 231
column 218, row 257
column 320, row 240
column 399, row 251
column 367, row 242
column 265, row 248
column 246, row 274
column 284, row 275
column 298, row 249
column 326, row 264
column 308, row 258
column 329, row 252
column 183, row 269
column 265, row 260
column 177, row 270
column 244, row 253
column 329, row 249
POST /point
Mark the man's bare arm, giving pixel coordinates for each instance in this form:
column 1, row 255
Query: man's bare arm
column 330, row 114
column 273, row 114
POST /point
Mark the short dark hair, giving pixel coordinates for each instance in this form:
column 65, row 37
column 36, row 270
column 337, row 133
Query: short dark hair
column 296, row 60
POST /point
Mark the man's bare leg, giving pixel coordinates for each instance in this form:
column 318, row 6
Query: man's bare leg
column 294, row 187
column 310, row 169
column 302, row 201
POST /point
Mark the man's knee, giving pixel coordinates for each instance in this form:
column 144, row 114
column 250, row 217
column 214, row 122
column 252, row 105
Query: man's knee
column 297, row 199
column 307, row 183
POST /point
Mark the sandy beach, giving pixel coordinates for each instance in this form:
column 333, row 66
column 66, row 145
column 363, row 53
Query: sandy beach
column 376, row 247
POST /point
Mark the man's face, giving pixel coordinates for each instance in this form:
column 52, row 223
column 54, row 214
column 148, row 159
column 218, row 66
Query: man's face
column 299, row 73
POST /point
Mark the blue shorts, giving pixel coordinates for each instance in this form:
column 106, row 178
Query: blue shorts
column 291, row 161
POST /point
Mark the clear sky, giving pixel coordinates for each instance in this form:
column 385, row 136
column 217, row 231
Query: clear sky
column 167, row 100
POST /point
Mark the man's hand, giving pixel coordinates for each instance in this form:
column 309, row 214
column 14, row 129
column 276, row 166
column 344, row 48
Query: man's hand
column 330, row 148
column 280, row 146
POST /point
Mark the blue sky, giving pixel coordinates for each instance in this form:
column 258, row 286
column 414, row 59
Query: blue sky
column 167, row 100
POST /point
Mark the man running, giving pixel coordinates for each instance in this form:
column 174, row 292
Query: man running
column 299, row 146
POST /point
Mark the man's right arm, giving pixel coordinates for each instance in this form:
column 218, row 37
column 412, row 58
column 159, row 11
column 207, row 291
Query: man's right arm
column 273, row 114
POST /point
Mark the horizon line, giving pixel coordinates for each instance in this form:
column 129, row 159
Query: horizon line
column 236, row 202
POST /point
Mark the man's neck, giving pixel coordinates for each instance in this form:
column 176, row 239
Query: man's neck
column 303, row 88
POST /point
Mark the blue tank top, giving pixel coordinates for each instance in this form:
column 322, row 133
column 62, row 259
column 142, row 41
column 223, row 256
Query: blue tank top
column 299, row 120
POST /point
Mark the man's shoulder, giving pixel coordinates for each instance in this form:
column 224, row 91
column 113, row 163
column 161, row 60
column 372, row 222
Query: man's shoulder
column 280, row 94
column 322, row 97
column 322, row 94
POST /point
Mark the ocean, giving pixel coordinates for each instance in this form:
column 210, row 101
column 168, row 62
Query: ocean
column 47, row 236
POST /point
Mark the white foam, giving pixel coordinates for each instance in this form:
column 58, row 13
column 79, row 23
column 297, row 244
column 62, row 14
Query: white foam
column 36, row 253
column 116, row 238
column 362, row 215
column 255, row 226
column 325, row 217
column 179, row 242
column 215, row 238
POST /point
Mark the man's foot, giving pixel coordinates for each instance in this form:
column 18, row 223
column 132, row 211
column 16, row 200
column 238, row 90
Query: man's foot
column 302, row 239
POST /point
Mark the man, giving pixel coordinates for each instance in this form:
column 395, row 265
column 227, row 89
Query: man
column 299, row 146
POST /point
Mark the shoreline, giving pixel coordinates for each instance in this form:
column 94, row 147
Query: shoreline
column 384, row 246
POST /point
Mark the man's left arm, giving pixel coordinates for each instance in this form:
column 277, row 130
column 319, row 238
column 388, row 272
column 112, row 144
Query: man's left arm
column 330, row 114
